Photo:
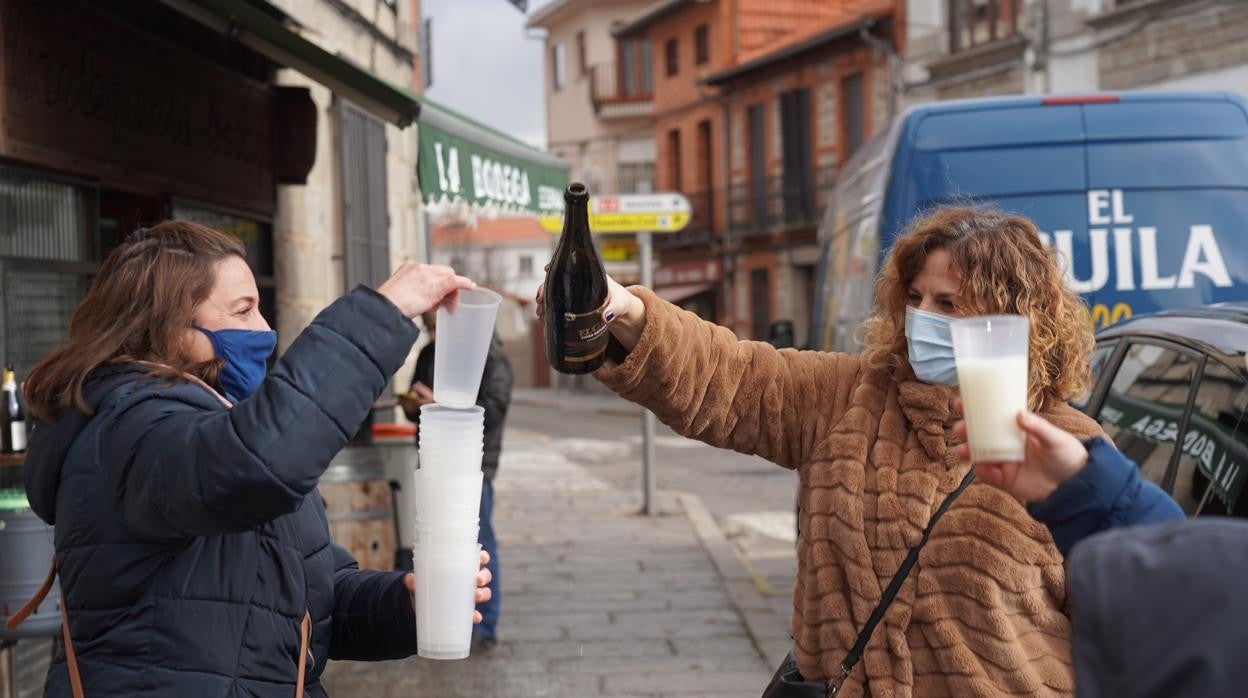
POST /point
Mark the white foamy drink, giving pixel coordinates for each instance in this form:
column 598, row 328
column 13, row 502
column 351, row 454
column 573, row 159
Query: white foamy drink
column 994, row 391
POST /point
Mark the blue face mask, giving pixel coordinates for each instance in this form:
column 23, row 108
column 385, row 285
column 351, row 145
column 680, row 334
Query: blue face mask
column 931, row 347
column 245, row 353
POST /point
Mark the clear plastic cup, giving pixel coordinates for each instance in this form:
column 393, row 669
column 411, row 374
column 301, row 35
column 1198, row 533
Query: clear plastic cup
column 464, row 338
column 447, row 500
column 435, row 538
column 446, row 588
column 991, row 355
column 446, row 462
column 440, row 412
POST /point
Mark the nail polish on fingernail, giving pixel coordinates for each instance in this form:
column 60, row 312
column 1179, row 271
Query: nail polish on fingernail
column 609, row 315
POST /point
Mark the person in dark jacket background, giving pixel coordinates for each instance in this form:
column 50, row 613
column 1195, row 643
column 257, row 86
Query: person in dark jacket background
column 495, row 398
column 193, row 549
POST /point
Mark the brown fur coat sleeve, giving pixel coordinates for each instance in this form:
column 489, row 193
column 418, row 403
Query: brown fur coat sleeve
column 706, row 384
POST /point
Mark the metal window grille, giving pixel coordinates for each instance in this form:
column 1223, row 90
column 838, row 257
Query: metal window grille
column 365, row 204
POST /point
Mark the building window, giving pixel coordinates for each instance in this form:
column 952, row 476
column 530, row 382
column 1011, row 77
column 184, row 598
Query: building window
column 636, row 177
column 798, row 184
column 976, row 22
column 756, row 135
column 853, row 115
column 526, row 265
column 365, row 204
column 582, row 59
column 673, row 160
column 702, row 45
column 760, row 303
column 646, row 56
column 673, row 63
column 557, row 74
column 628, row 67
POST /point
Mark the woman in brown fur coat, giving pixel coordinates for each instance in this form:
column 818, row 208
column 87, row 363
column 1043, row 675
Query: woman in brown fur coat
column 982, row 613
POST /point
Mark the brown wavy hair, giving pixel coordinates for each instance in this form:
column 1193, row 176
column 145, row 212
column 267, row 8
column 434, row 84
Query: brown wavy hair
column 138, row 308
column 1004, row 269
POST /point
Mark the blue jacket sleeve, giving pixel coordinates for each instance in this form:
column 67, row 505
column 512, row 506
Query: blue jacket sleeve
column 1107, row 493
column 179, row 465
column 373, row 615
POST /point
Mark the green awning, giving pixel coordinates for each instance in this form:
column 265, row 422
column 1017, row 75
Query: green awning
column 266, row 34
column 465, row 166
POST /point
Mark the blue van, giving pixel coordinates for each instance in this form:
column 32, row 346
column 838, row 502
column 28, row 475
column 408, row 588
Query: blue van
column 1145, row 193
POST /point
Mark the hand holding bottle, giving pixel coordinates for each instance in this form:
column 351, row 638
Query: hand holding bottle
column 625, row 314
column 1052, row 456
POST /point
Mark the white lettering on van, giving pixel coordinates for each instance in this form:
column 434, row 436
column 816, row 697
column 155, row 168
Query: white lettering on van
column 1120, row 216
column 1202, row 244
column 1098, row 242
column 1150, row 279
column 1124, row 265
column 1098, row 201
column 1108, row 207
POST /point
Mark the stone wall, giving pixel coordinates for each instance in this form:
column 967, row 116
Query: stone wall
column 1176, row 45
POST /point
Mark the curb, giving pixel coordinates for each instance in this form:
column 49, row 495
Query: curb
column 771, row 639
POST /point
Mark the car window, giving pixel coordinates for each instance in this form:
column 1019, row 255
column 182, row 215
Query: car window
column 1210, row 476
column 1144, row 405
column 1099, row 358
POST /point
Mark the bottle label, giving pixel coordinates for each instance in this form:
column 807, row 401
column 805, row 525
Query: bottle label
column 585, row 335
column 17, row 436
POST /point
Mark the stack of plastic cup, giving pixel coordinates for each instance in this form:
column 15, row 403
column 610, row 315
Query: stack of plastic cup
column 446, row 556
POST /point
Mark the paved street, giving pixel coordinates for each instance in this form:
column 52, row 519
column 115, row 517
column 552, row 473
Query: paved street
column 601, row 601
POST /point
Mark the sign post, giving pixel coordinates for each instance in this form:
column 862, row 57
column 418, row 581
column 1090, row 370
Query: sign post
column 642, row 214
column 645, row 257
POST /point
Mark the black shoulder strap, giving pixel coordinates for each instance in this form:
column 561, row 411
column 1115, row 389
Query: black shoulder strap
column 890, row 593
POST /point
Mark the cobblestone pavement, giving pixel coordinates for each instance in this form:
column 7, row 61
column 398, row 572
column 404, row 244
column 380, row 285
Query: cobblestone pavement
column 597, row 599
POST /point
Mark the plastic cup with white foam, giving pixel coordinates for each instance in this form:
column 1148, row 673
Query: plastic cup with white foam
column 991, row 354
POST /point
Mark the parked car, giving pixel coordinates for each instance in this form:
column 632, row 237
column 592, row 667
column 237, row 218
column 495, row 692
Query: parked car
column 1171, row 389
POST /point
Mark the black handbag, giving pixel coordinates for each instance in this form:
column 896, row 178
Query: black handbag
column 788, row 682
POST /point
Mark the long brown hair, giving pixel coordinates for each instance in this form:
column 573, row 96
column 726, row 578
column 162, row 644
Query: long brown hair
column 1005, row 269
column 138, row 308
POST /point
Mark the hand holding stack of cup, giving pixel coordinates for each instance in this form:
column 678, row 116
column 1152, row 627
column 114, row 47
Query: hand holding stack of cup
column 448, row 484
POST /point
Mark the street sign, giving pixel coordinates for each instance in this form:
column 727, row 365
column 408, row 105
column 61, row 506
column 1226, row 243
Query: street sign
column 666, row 212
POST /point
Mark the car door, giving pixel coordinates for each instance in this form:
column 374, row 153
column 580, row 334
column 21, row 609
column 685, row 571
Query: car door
column 1210, row 471
column 1144, row 403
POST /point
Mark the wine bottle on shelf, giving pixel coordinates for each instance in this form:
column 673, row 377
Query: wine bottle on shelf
column 12, row 417
column 576, row 293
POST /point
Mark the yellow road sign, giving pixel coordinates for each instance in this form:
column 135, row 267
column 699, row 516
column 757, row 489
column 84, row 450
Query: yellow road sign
column 631, row 213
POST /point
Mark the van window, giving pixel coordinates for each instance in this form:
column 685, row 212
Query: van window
column 1210, row 475
column 1144, row 405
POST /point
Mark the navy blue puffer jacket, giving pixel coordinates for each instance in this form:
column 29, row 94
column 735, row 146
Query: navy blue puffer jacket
column 191, row 537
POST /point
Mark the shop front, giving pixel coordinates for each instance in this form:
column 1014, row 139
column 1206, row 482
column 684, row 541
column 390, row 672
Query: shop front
column 694, row 286
column 115, row 116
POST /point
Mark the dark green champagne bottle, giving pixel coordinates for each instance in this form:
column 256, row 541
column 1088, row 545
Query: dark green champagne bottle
column 576, row 292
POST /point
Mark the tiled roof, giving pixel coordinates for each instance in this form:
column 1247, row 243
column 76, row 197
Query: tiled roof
column 491, row 232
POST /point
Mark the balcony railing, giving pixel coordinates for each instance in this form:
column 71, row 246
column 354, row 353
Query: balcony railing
column 614, row 100
column 701, row 228
column 774, row 204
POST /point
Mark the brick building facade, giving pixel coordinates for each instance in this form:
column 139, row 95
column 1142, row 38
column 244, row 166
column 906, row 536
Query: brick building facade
column 752, row 101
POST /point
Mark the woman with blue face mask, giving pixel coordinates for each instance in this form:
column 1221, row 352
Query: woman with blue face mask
column 981, row 612
column 192, row 547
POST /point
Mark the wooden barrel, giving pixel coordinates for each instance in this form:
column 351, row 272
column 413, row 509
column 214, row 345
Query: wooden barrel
column 360, row 506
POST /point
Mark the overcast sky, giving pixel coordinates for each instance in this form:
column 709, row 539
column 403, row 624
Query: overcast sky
column 485, row 66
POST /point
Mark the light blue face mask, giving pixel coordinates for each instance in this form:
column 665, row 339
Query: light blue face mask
column 931, row 347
